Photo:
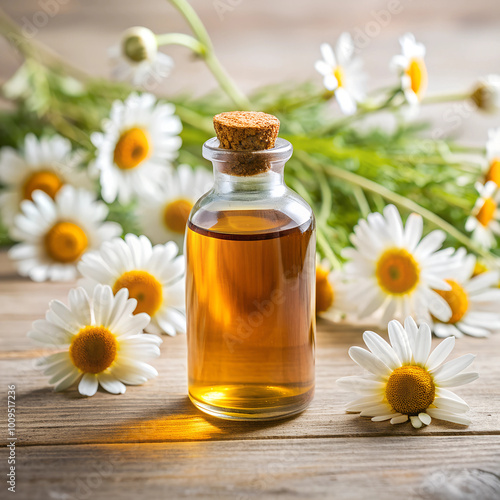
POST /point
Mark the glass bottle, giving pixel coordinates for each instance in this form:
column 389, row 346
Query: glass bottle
column 250, row 290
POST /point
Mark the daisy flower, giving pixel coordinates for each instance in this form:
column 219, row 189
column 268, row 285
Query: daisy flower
column 330, row 291
column 154, row 276
column 100, row 342
column 393, row 271
column 46, row 164
column 486, row 94
column 163, row 216
column 140, row 140
column 342, row 73
column 412, row 69
column 136, row 58
column 407, row 381
column 474, row 301
column 55, row 233
column 484, row 222
column 493, row 156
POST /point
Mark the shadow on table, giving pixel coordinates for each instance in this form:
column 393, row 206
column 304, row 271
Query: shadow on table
column 180, row 420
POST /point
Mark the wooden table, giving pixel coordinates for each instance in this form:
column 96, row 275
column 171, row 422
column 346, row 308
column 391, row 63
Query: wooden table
column 152, row 443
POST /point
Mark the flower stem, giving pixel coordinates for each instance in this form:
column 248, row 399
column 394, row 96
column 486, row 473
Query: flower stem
column 443, row 98
column 220, row 74
column 396, row 198
column 181, row 39
column 387, row 105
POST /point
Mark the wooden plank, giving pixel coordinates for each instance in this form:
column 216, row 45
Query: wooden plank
column 345, row 469
column 161, row 411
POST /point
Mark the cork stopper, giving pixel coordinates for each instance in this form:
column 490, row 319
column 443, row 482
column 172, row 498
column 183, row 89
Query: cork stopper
column 246, row 131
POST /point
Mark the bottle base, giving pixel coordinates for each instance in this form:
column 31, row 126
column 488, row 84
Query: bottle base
column 254, row 403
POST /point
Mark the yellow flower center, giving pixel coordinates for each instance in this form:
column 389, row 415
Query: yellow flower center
column 93, row 349
column 143, row 287
column 457, row 300
column 132, row 148
column 176, row 214
column 479, row 268
column 397, row 271
column 45, row 181
column 410, row 390
column 487, row 212
column 494, row 172
column 324, row 290
column 65, row 242
column 417, row 71
column 339, row 74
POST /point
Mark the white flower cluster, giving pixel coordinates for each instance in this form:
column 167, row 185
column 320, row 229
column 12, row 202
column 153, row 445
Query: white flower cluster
column 391, row 272
column 51, row 207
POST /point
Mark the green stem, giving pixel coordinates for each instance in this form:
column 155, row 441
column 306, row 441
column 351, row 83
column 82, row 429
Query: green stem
column 443, row 98
column 220, row 74
column 398, row 199
column 181, row 39
column 361, row 200
column 385, row 106
column 327, row 250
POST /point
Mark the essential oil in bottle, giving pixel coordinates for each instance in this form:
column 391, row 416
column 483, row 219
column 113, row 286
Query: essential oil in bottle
column 250, row 279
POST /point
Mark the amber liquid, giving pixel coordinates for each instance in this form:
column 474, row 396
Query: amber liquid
column 250, row 313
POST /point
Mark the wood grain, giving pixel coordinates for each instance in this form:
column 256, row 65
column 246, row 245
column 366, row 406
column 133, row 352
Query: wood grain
column 153, row 441
column 345, row 469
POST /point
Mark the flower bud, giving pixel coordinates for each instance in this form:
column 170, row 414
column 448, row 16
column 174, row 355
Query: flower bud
column 486, row 94
column 139, row 44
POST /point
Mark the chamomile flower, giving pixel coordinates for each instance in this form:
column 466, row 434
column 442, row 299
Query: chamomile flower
column 407, row 381
column 342, row 73
column 391, row 270
column 484, row 222
column 410, row 65
column 154, row 276
column 474, row 301
column 140, row 140
column 163, row 216
column 137, row 59
column 46, row 164
column 493, row 156
column 486, row 94
column 55, row 233
column 330, row 291
column 100, row 342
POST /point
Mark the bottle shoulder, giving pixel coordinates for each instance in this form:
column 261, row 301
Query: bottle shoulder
column 251, row 212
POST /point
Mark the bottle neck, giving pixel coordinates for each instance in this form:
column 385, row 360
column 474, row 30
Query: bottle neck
column 252, row 172
column 270, row 181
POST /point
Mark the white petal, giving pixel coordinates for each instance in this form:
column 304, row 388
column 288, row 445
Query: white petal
column 416, row 422
column 452, row 405
column 453, row 367
column 460, row 379
column 423, row 344
column 399, row 341
column 68, row 381
column 411, row 330
column 440, row 353
column 369, row 361
column 111, row 384
column 361, row 385
column 399, row 420
column 382, row 349
column 88, row 385
column 448, row 416
column 424, row 418
column 382, row 418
